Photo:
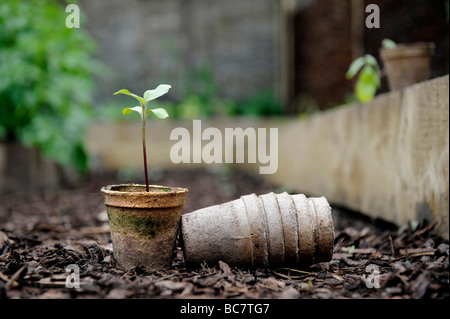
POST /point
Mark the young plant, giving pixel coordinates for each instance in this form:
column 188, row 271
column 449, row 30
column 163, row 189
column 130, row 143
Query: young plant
column 369, row 74
column 369, row 79
column 143, row 111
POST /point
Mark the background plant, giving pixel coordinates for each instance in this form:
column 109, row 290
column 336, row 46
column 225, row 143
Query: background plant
column 368, row 80
column 46, row 79
column 263, row 103
column 369, row 74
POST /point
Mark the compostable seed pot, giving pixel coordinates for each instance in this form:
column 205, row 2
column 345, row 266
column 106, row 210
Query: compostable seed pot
column 407, row 64
column 260, row 231
column 143, row 224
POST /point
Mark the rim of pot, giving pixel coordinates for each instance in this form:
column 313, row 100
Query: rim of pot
column 110, row 189
column 172, row 197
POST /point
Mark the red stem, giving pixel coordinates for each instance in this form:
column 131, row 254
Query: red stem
column 144, row 151
column 145, row 166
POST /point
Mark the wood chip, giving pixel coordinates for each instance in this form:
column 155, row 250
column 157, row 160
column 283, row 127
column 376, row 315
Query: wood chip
column 337, row 277
column 417, row 251
column 363, row 251
column 49, row 282
column 171, row 285
column 225, row 268
column 15, row 276
column 4, row 240
column 290, row 293
column 272, row 283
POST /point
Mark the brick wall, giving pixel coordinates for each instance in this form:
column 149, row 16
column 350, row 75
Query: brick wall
column 149, row 42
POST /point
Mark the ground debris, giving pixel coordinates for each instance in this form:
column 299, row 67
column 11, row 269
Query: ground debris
column 65, row 229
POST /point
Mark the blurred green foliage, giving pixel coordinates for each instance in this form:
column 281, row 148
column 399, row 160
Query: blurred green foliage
column 368, row 79
column 46, row 79
column 200, row 97
column 200, row 94
column 201, row 100
column 263, row 103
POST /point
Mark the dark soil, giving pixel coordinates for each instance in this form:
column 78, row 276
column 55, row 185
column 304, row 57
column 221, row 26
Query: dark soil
column 44, row 232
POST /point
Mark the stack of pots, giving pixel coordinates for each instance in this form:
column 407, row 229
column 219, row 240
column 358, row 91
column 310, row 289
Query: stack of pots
column 260, row 231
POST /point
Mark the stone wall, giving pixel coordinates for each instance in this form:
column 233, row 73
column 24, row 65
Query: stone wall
column 388, row 158
column 149, row 42
column 287, row 46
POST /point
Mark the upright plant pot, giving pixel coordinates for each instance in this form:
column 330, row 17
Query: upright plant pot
column 143, row 224
column 407, row 64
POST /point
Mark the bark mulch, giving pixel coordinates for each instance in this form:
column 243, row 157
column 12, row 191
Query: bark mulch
column 42, row 233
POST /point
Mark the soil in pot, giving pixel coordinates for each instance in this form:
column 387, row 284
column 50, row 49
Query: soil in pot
column 144, row 224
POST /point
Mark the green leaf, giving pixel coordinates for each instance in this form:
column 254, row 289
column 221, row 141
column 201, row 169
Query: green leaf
column 367, row 84
column 153, row 94
column 160, row 113
column 371, row 60
column 125, row 91
column 355, row 67
column 128, row 110
column 388, row 44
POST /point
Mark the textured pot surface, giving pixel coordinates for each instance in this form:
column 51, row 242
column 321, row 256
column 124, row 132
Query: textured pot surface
column 260, row 231
column 407, row 64
column 143, row 224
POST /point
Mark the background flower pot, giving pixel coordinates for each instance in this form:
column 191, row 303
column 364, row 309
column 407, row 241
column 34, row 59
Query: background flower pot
column 407, row 64
column 143, row 224
column 260, row 231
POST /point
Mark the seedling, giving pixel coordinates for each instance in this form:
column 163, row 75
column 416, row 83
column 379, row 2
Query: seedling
column 144, row 111
column 369, row 74
column 368, row 81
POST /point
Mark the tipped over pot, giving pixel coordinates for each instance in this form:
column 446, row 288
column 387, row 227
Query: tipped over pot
column 260, row 231
column 143, row 224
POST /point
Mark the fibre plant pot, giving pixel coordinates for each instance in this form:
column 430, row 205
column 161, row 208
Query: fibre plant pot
column 407, row 64
column 270, row 230
column 143, row 224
